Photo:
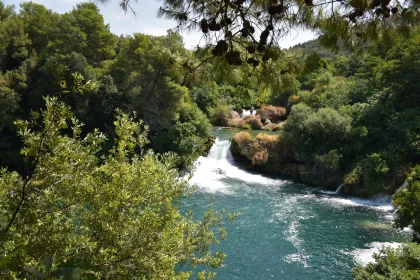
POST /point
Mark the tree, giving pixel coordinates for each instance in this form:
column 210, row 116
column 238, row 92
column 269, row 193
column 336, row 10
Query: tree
column 242, row 30
column 14, row 43
column 402, row 263
column 40, row 24
column 146, row 71
column 83, row 31
column 111, row 217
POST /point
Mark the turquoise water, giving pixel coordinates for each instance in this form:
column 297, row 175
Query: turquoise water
column 287, row 230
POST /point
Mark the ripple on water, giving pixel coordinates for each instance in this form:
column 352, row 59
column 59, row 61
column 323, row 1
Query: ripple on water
column 287, row 230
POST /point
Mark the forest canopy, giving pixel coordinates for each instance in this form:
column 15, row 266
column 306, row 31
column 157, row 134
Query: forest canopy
column 82, row 157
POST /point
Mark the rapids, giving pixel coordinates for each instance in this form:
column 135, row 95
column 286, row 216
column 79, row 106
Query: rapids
column 287, row 230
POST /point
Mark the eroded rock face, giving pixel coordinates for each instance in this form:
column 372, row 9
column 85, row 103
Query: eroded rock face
column 254, row 121
column 234, row 115
column 265, row 152
column 272, row 113
column 270, row 154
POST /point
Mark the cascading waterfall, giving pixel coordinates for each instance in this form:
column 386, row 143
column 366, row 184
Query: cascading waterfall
column 339, row 188
column 287, row 230
column 212, row 171
column 247, row 113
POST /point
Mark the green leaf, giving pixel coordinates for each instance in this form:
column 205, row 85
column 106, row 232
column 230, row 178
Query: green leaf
column 35, row 272
column 48, row 261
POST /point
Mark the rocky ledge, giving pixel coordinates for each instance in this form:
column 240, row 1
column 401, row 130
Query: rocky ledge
column 269, row 154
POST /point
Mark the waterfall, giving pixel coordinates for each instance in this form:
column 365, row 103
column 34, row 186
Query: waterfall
column 212, row 171
column 280, row 221
column 248, row 113
column 339, row 188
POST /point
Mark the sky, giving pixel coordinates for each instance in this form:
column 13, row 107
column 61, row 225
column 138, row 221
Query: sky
column 146, row 20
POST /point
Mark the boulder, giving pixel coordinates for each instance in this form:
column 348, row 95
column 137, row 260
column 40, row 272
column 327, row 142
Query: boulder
column 270, row 154
column 234, row 115
column 272, row 113
column 234, row 120
column 254, row 121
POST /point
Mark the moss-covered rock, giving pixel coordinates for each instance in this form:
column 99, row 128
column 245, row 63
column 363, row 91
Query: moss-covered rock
column 270, row 154
column 272, row 113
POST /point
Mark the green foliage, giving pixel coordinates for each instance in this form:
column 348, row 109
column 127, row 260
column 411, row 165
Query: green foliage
column 73, row 56
column 111, row 217
column 14, row 43
column 402, row 263
column 187, row 137
column 83, row 31
column 146, row 72
column 328, row 163
column 9, row 111
column 369, row 114
column 407, row 203
column 40, row 24
column 310, row 132
column 210, row 96
column 219, row 114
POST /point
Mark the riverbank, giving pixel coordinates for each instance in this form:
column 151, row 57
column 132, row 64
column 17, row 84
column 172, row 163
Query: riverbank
column 287, row 230
column 270, row 154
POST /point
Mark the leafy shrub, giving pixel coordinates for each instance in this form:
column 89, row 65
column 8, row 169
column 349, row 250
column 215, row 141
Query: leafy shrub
column 401, row 263
column 187, row 137
column 219, row 115
column 246, row 126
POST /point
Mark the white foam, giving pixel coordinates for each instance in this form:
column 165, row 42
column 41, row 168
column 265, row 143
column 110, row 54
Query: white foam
column 365, row 256
column 246, row 113
column 300, row 257
column 292, row 234
column 380, row 202
column 219, row 165
column 328, row 192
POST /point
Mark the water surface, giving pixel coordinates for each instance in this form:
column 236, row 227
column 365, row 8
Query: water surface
column 287, row 230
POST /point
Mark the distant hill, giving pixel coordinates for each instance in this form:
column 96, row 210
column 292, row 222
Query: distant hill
column 314, row 46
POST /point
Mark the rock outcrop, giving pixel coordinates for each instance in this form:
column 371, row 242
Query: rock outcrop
column 270, row 154
column 272, row 113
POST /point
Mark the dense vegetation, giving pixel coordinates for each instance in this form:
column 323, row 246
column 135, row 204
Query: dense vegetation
column 98, row 200
column 358, row 116
column 82, row 193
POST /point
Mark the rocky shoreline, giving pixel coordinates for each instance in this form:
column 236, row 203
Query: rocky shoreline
column 269, row 154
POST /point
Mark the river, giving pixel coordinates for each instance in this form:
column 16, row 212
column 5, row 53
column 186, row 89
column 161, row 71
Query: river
column 287, row 230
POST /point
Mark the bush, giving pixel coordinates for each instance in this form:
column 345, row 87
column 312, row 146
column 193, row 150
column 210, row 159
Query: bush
column 311, row 133
column 246, row 126
column 219, row 115
column 407, row 203
column 328, row 164
column 119, row 210
column 401, row 263
column 187, row 137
